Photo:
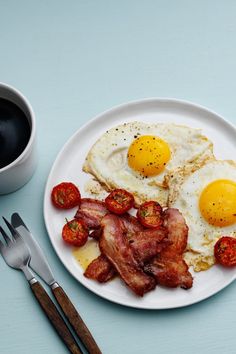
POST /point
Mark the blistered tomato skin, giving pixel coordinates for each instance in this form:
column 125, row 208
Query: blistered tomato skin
column 149, row 214
column 65, row 196
column 119, row 201
column 75, row 232
column 225, row 251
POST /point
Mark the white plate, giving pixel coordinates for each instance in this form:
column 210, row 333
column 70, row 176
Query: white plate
column 68, row 167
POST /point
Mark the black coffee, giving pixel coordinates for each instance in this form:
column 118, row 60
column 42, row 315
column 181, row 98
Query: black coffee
column 14, row 132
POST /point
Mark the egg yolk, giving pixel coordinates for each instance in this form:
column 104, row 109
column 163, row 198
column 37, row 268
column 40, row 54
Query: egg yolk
column 148, row 155
column 217, row 203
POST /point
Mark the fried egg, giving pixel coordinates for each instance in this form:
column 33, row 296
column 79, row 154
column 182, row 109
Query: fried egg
column 138, row 157
column 207, row 200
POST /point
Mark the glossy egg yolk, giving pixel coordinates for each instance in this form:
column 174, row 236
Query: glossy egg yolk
column 148, row 155
column 217, row 203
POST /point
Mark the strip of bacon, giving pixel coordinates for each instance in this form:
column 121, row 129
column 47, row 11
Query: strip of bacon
column 169, row 268
column 147, row 244
column 144, row 243
column 102, row 264
column 114, row 244
column 100, row 269
column 91, row 211
column 131, row 224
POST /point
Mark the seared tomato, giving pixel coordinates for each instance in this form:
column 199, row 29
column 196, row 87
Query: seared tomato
column 149, row 214
column 75, row 232
column 65, row 195
column 225, row 251
column 119, row 201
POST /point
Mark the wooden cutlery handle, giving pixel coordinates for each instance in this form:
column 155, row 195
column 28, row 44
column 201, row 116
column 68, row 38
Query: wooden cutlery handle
column 76, row 321
column 55, row 318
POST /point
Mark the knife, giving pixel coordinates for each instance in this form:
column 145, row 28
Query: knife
column 38, row 260
column 40, row 265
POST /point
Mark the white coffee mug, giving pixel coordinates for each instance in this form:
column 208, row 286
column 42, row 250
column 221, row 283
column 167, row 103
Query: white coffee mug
column 18, row 172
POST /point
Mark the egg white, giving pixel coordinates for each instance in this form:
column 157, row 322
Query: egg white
column 202, row 236
column 107, row 159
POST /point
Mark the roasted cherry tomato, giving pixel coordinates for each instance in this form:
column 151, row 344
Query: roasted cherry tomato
column 75, row 232
column 119, row 201
column 150, row 214
column 225, row 251
column 65, row 195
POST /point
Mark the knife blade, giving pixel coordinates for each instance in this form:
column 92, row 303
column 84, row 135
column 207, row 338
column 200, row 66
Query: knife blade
column 38, row 261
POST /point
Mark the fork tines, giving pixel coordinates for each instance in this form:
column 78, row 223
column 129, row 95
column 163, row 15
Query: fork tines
column 10, row 227
column 5, row 236
column 14, row 233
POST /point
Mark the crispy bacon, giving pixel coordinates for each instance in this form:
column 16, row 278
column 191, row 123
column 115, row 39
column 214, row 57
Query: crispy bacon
column 131, row 224
column 115, row 245
column 169, row 268
column 100, row 269
column 147, row 244
column 92, row 212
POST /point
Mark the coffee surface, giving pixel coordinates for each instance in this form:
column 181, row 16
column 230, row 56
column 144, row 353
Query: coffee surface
column 14, row 132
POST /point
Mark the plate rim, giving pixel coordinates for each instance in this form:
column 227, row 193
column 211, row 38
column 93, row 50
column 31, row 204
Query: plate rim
column 86, row 125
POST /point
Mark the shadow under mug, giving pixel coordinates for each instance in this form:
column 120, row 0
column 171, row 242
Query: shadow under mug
column 17, row 173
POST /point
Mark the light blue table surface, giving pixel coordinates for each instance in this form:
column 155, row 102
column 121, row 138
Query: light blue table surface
column 73, row 60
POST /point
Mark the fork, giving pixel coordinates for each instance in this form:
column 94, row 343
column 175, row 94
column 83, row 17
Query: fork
column 16, row 254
